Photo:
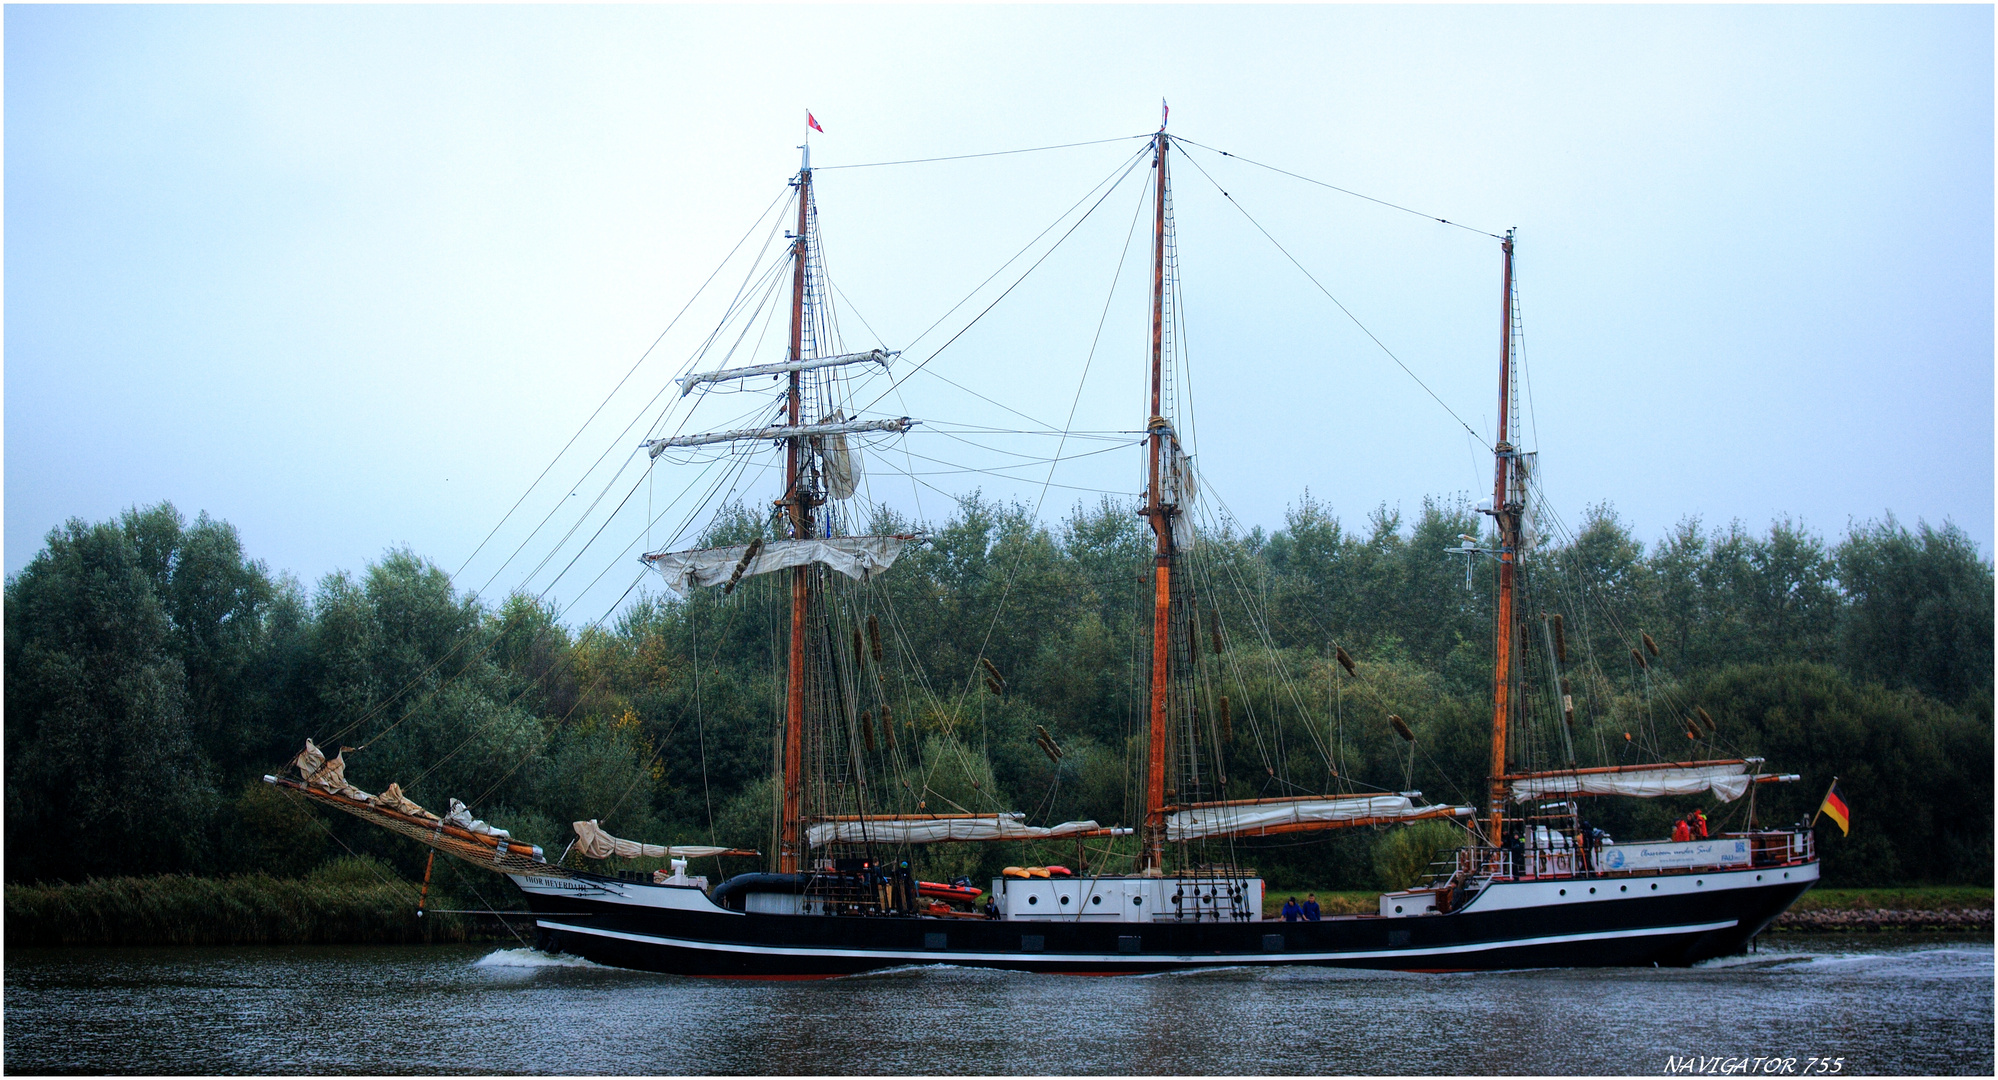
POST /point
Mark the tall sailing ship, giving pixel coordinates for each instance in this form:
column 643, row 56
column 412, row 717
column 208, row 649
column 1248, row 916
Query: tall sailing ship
column 1530, row 885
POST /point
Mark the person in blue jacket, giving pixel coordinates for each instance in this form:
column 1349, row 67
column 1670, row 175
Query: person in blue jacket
column 1310, row 907
column 1292, row 912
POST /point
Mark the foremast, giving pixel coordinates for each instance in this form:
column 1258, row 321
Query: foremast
column 790, row 841
column 1152, row 857
column 1508, row 508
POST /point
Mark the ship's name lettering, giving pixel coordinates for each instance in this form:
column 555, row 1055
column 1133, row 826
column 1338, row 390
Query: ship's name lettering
column 1752, row 1065
column 557, row 883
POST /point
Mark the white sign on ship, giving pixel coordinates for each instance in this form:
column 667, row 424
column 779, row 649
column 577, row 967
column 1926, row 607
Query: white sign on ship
column 1672, row 856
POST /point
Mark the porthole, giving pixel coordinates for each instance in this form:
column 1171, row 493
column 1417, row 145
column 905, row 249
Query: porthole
column 1654, row 886
column 1064, row 901
column 1564, row 892
column 1137, row 901
column 1758, row 877
column 1397, row 909
column 1592, row 890
column 1786, row 874
column 1095, row 899
column 1698, row 882
column 1033, row 899
column 1623, row 888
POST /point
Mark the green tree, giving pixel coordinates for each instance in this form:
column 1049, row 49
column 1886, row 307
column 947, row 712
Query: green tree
column 1919, row 610
column 104, row 775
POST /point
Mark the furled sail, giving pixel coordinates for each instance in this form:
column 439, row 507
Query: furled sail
column 858, row 557
column 876, row 356
column 1728, row 780
column 327, row 774
column 655, row 447
column 841, row 463
column 463, row 819
column 1259, row 816
column 1178, row 488
column 594, row 842
column 929, row 829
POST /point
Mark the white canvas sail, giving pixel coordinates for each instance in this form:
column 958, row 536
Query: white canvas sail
column 858, row 557
column 1181, row 490
column 1727, row 780
column 1225, row 820
column 595, row 843
column 840, row 463
column 930, row 830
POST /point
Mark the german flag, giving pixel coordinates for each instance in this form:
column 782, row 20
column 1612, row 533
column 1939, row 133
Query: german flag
column 1834, row 807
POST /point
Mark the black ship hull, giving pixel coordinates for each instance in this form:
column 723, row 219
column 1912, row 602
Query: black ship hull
column 1665, row 919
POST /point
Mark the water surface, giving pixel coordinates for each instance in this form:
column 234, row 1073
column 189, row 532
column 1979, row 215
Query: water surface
column 1885, row 1003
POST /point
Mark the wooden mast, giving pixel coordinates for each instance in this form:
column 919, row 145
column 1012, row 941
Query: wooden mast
column 789, row 846
column 1506, row 514
column 1153, row 854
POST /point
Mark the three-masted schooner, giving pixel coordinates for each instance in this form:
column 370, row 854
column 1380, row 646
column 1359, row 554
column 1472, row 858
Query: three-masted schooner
column 1531, row 887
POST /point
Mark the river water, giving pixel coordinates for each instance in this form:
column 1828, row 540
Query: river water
column 1885, row 1003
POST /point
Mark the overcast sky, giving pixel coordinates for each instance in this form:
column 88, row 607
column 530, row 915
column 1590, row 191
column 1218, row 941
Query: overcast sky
column 351, row 277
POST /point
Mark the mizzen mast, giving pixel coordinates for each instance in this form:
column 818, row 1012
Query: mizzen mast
column 1152, row 858
column 1508, row 505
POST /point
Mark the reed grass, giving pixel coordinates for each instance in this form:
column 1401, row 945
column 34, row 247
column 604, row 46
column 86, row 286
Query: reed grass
column 252, row 909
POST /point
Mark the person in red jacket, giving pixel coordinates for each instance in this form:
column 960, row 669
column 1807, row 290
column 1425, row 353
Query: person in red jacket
column 1700, row 823
column 1681, row 832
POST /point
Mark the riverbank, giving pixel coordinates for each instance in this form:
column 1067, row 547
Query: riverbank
column 252, row 909
column 1941, row 907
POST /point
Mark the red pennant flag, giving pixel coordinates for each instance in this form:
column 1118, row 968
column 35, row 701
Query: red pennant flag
column 809, row 119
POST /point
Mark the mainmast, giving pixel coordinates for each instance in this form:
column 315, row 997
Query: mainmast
column 1152, row 857
column 1506, row 512
column 790, row 847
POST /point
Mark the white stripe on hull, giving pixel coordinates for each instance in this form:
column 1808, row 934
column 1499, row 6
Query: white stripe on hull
column 1126, row 959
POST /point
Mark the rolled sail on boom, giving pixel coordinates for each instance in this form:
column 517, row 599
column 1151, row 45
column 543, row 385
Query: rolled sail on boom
column 930, row 829
column 1728, row 780
column 1259, row 817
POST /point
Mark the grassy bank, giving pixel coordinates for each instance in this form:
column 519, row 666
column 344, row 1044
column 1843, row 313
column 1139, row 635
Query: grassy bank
column 346, row 905
column 1913, row 898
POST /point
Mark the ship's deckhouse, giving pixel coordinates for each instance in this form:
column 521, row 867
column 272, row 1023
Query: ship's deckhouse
column 1129, row 899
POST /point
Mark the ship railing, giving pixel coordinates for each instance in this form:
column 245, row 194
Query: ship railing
column 1476, row 865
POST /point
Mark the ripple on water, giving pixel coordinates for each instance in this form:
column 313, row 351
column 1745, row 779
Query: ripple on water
column 1888, row 1004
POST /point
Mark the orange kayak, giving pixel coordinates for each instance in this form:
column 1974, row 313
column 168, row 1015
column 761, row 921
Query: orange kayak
column 961, row 894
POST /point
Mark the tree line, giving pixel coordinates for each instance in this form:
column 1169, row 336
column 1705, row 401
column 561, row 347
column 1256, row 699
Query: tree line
column 155, row 672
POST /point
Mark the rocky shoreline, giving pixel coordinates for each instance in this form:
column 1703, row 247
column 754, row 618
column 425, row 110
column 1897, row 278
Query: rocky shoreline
column 1883, row 919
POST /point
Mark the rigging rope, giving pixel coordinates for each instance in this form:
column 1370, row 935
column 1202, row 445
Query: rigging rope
column 990, row 153
column 1337, row 188
column 1335, row 300
column 620, row 383
column 1114, row 181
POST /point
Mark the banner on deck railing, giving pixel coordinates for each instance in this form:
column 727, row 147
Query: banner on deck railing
column 1724, row 852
